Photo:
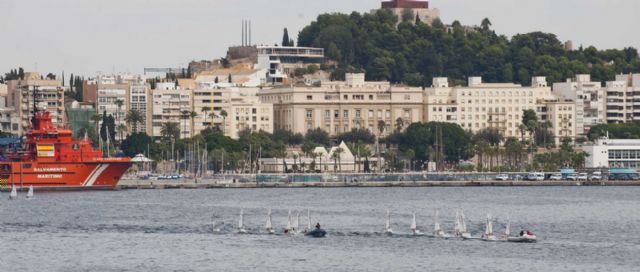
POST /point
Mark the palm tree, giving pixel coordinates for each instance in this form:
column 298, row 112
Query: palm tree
column 184, row 115
column 399, row 124
column 224, row 115
column 96, row 118
column 122, row 128
column 193, row 115
column 206, row 109
column 133, row 118
column 381, row 126
column 119, row 103
column 170, row 131
column 337, row 153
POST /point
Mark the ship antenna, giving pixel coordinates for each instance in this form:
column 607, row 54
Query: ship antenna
column 34, row 120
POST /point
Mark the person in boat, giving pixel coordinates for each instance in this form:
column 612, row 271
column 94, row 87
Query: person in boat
column 521, row 233
column 318, row 225
column 530, row 233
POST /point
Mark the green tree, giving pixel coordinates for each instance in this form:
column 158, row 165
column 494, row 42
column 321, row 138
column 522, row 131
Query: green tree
column 133, row 118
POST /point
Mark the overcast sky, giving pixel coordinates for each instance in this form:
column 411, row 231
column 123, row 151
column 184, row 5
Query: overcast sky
column 87, row 36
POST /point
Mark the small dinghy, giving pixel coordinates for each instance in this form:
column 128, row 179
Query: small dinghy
column 14, row 193
column 318, row 232
column 414, row 226
column 268, row 226
column 488, row 234
column 464, row 233
column 387, row 225
column 30, row 192
column 241, row 228
column 437, row 230
column 526, row 236
column 289, row 228
column 214, row 225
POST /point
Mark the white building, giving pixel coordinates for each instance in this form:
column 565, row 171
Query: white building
column 589, row 97
column 171, row 105
column 610, row 153
column 281, row 61
column 49, row 96
column 498, row 106
column 623, row 99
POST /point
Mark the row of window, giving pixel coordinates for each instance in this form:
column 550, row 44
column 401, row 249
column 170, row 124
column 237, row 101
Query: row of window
column 624, row 154
column 357, row 113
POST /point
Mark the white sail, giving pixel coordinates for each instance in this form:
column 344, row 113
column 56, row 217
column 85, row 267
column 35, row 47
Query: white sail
column 30, row 193
column 457, row 226
column 507, row 230
column 241, row 221
column 14, row 192
column 387, row 225
column 268, row 224
column 463, row 224
column 289, row 221
column 297, row 222
column 308, row 220
column 436, row 224
column 414, row 224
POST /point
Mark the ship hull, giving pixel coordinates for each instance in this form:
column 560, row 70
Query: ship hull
column 64, row 176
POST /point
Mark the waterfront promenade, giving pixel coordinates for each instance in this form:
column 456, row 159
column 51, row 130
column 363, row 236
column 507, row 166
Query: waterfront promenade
column 230, row 184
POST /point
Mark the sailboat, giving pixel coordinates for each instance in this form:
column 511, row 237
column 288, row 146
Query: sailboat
column 14, row 193
column 437, row 231
column 387, row 225
column 414, row 226
column 308, row 222
column 488, row 230
column 30, row 192
column 268, row 226
column 296, row 225
column 457, row 226
column 241, row 229
column 289, row 227
column 214, row 224
column 464, row 233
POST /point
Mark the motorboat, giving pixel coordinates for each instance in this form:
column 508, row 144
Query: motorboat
column 526, row 236
column 318, row 232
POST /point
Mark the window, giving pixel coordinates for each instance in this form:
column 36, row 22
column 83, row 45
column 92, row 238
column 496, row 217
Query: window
column 336, row 114
column 309, row 97
column 358, row 114
column 309, row 114
column 345, row 114
column 370, row 113
column 327, row 114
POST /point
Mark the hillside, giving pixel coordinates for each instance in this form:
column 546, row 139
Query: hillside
column 415, row 53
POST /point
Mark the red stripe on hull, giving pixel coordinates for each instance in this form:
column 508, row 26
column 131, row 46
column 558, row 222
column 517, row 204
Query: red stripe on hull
column 72, row 174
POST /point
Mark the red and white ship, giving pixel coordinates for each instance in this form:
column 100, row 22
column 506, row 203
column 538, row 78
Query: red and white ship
column 52, row 159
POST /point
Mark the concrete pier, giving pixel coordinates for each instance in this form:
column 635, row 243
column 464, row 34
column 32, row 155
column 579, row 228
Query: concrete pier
column 209, row 184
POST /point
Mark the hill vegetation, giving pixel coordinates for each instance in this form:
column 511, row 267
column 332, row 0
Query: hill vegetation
column 413, row 52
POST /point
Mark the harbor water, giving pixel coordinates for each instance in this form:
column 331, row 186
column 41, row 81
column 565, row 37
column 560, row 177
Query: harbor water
column 579, row 229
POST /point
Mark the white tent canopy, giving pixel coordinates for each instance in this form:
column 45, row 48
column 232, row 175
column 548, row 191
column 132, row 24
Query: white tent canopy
column 141, row 158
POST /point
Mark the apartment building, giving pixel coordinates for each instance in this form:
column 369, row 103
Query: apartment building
column 341, row 106
column 171, row 105
column 623, row 99
column 231, row 110
column 108, row 95
column 589, row 97
column 49, row 96
column 498, row 106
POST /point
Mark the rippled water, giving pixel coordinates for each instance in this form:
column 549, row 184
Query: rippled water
column 581, row 229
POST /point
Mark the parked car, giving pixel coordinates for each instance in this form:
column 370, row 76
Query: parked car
column 535, row 176
column 517, row 177
column 502, row 177
column 583, row 176
column 596, row 176
column 572, row 177
column 556, row 177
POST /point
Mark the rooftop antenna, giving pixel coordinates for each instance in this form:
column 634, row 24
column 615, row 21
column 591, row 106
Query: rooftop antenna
column 250, row 33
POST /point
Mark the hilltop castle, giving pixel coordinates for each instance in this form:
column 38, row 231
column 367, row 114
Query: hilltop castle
column 419, row 9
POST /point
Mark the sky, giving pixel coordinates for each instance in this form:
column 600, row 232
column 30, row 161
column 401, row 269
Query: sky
column 124, row 36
